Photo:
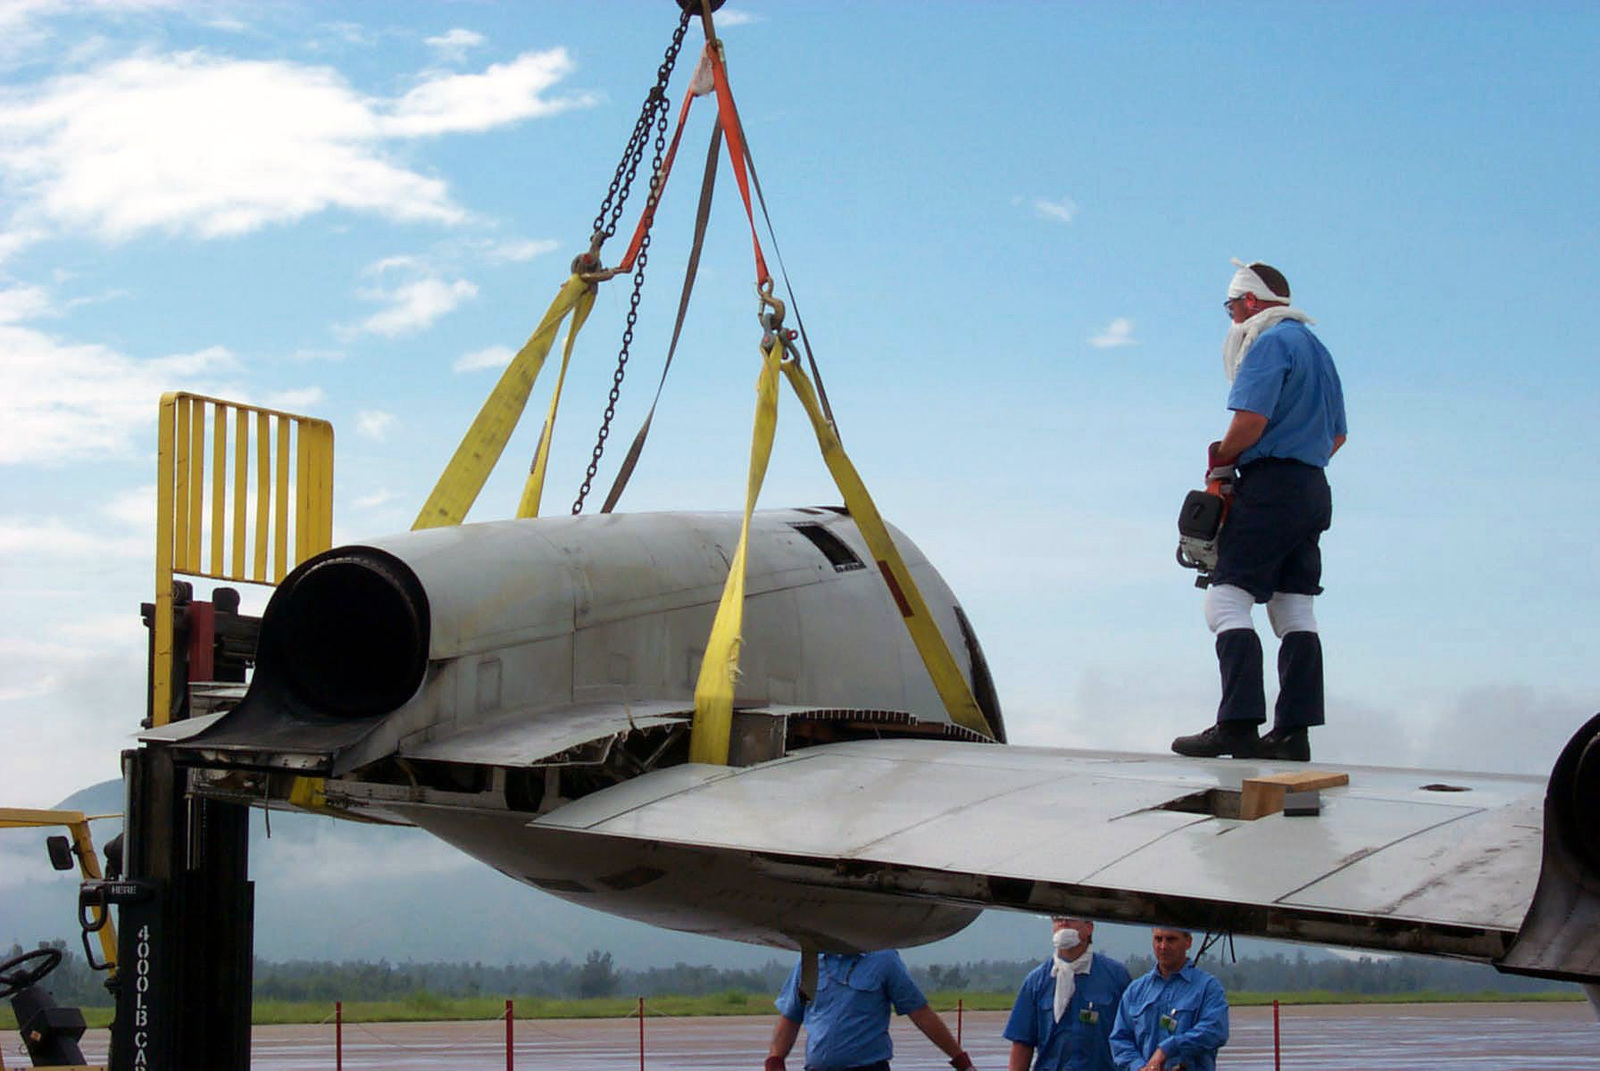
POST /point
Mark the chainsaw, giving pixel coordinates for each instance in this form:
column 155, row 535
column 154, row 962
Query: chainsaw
column 1199, row 524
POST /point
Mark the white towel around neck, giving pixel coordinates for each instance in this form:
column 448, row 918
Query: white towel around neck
column 1242, row 336
column 1065, row 972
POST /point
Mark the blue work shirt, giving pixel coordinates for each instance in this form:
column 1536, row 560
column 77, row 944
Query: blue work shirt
column 1288, row 377
column 1185, row 1015
column 1081, row 1041
column 847, row 1024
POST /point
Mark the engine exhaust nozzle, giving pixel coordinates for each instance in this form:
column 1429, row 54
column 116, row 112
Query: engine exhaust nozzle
column 347, row 632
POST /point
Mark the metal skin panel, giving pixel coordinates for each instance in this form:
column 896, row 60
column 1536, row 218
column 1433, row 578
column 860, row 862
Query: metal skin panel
column 637, row 593
column 525, row 738
column 1490, row 872
column 719, row 893
column 1093, row 821
column 540, row 614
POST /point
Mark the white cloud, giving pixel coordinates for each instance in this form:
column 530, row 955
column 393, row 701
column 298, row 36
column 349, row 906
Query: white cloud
column 412, row 306
column 54, row 538
column 296, row 400
column 520, row 250
column 210, row 146
column 375, row 423
column 64, row 401
column 491, row 357
column 134, row 507
column 1061, row 211
column 730, row 17
column 24, row 23
column 16, row 238
column 23, row 303
column 505, row 93
column 453, row 44
column 377, row 498
column 1118, row 332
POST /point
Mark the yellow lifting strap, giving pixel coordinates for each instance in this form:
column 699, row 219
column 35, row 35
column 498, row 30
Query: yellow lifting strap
column 484, row 441
column 947, row 679
column 719, row 669
column 713, row 695
column 533, row 489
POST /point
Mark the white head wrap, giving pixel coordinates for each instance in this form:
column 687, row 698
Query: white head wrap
column 1066, row 971
column 1243, row 335
column 1246, row 281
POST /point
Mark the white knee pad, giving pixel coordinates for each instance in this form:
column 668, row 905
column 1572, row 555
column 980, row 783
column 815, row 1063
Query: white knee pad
column 1290, row 613
column 1228, row 607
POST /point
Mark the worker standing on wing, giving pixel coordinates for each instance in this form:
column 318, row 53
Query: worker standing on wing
column 1064, row 1012
column 847, row 1022
column 1288, row 421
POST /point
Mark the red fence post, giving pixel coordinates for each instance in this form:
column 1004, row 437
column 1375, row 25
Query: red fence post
column 508, row 1034
column 641, row 1034
column 338, row 1035
column 960, row 1007
column 1277, row 1051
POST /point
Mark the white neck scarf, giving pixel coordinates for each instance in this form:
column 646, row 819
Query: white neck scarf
column 1242, row 336
column 1065, row 973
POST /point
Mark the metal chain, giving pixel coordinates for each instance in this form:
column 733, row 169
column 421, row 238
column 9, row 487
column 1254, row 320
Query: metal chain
column 654, row 107
column 654, row 113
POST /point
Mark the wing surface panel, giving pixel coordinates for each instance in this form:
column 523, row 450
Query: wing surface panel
column 1494, row 870
column 996, row 817
column 1269, row 859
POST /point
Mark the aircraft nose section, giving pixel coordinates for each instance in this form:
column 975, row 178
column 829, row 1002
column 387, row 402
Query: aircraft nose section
column 348, row 633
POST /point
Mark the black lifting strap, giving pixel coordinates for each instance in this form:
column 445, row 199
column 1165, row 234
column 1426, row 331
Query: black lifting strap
column 702, row 214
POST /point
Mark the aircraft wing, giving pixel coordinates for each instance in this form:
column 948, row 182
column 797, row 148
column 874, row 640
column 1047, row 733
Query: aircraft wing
column 1397, row 860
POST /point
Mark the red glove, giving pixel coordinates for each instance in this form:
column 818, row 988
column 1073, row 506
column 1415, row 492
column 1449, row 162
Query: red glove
column 774, row 1063
column 961, row 1062
column 1219, row 469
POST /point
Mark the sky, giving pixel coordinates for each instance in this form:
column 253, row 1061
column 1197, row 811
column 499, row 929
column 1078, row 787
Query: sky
column 1009, row 228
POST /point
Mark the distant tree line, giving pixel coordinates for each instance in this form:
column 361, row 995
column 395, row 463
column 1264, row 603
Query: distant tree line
column 599, row 976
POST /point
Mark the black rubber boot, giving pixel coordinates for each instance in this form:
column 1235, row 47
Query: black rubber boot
column 1244, row 701
column 1236, row 738
column 1299, row 682
column 1244, row 698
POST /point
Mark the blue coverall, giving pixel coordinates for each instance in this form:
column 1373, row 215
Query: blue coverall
column 847, row 1024
column 1080, row 1041
column 1186, row 1015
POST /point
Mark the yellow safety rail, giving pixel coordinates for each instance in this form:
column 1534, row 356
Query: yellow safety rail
column 713, row 695
column 77, row 823
column 486, row 439
column 209, row 529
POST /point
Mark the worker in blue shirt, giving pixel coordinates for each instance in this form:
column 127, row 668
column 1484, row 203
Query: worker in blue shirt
column 1064, row 1012
column 1174, row 1017
column 847, row 1021
column 1288, row 422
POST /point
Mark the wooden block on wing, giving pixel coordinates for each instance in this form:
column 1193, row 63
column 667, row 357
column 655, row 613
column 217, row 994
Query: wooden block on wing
column 1261, row 796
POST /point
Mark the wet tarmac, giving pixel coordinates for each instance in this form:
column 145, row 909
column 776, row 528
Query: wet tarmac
column 1460, row 1037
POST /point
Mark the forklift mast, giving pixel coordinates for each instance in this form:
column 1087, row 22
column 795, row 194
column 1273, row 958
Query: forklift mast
column 185, row 903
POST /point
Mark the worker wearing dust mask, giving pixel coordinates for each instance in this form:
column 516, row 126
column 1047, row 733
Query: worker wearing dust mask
column 1288, row 422
column 1065, row 1009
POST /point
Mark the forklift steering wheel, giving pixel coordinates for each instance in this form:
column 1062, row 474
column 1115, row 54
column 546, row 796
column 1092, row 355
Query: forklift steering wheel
column 14, row 977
